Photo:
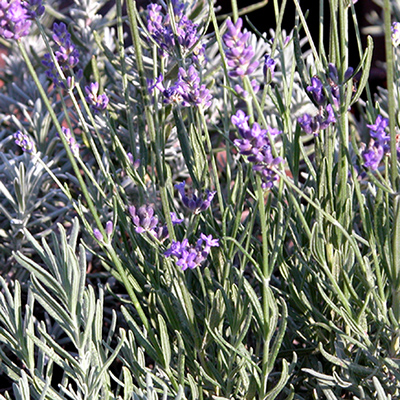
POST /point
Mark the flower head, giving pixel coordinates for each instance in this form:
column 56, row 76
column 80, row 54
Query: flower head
column 25, row 142
column 194, row 202
column 396, row 34
column 97, row 102
column 14, row 19
column 269, row 68
column 67, row 56
column 189, row 256
column 73, row 144
column 255, row 145
column 239, row 54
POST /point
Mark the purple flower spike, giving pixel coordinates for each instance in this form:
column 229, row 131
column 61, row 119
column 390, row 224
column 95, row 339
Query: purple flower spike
column 313, row 125
column 379, row 145
column 73, row 144
column 195, row 203
column 255, row 145
column 14, row 19
column 97, row 102
column 159, row 27
column 189, row 256
column 317, row 91
column 25, row 142
column 377, row 130
column 269, row 68
column 67, row 55
column 238, row 53
column 143, row 218
column 395, row 34
column 373, row 156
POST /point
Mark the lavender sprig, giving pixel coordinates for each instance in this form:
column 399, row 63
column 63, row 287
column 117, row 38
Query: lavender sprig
column 255, row 145
column 195, row 202
column 67, row 56
column 238, row 53
column 15, row 18
column 189, row 256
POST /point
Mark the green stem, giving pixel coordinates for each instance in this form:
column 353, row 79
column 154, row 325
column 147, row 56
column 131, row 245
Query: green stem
column 390, row 88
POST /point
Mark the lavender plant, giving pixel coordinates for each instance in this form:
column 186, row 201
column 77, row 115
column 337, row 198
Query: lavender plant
column 238, row 231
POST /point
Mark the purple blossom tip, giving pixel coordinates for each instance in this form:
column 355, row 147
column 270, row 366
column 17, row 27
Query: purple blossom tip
column 98, row 235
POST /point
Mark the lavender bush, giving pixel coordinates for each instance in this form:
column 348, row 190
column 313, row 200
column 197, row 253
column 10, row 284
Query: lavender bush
column 193, row 210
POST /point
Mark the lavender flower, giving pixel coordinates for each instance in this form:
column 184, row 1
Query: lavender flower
column 109, row 228
column 255, row 145
column 269, row 68
column 14, row 19
column 73, row 144
column 143, row 218
column 159, row 27
column 238, row 53
column 373, row 155
column 98, row 235
column 192, row 92
column 97, row 102
column 380, row 146
column 317, row 90
column 67, row 56
column 189, row 256
column 186, row 90
column 145, row 221
column 25, row 142
column 194, row 202
column 313, row 125
column 377, row 130
column 34, row 8
column 396, row 34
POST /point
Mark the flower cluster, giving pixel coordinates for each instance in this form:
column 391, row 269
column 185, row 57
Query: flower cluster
column 145, row 220
column 97, row 102
column 238, row 53
column 396, row 34
column 313, row 125
column 379, row 144
column 194, row 202
column 160, row 28
column 325, row 117
column 73, row 144
column 269, row 67
column 25, row 142
column 186, row 91
column 15, row 17
column 189, row 256
column 255, row 145
column 67, row 56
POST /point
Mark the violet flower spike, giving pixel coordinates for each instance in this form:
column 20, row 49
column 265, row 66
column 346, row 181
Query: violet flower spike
column 14, row 19
column 97, row 102
column 189, row 256
column 238, row 53
column 25, row 142
column 143, row 218
column 317, row 90
column 269, row 68
column 395, row 34
column 195, row 203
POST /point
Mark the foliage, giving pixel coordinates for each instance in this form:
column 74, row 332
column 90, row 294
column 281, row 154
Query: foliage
column 190, row 209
